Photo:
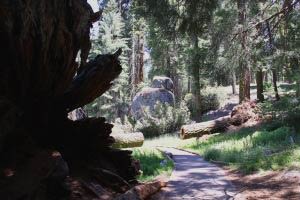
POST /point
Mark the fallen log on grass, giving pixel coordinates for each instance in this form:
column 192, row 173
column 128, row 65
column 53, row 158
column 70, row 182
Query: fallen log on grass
column 239, row 115
column 128, row 140
column 209, row 127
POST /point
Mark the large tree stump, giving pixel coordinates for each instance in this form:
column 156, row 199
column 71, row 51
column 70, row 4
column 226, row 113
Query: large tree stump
column 40, row 82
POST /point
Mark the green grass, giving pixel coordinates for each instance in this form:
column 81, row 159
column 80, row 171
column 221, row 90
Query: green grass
column 273, row 146
column 251, row 150
column 153, row 163
column 248, row 150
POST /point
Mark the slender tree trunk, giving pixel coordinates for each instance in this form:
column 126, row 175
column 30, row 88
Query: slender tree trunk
column 296, row 71
column 274, row 74
column 189, row 85
column 139, row 59
column 233, row 82
column 260, row 85
column 196, row 112
column 298, row 88
column 245, row 74
column 266, row 77
column 274, row 71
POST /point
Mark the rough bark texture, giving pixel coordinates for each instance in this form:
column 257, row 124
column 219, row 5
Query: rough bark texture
column 128, row 140
column 142, row 191
column 40, row 82
column 260, row 85
column 233, row 83
column 274, row 74
column 239, row 115
column 245, row 74
column 204, row 128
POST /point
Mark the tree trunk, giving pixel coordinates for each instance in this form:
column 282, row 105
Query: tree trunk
column 40, row 83
column 245, row 74
column 128, row 140
column 196, row 111
column 204, row 128
column 239, row 115
column 189, row 85
column 274, row 73
column 270, row 51
column 233, row 83
column 260, row 85
column 138, row 72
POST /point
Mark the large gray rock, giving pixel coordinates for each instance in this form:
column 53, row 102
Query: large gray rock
column 148, row 97
column 162, row 82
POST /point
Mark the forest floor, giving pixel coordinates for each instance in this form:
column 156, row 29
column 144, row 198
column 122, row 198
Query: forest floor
column 281, row 183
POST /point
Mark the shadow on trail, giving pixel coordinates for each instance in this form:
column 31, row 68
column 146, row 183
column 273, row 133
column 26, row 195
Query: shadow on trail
column 194, row 178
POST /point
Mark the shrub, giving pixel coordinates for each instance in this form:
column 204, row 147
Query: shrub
column 267, row 86
column 209, row 101
column 286, row 111
column 164, row 119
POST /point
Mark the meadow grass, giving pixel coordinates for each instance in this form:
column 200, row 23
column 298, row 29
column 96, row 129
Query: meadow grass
column 153, row 163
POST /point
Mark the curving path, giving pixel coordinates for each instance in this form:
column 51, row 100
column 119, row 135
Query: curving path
column 194, row 178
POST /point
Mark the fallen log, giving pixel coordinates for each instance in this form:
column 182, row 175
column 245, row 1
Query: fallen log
column 209, row 127
column 239, row 115
column 128, row 140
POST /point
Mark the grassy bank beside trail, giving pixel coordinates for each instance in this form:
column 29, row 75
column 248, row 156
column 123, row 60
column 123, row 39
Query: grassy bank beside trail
column 153, row 163
column 248, row 150
column 251, row 150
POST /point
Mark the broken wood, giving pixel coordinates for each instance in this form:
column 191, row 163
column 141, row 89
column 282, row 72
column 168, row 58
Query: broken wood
column 128, row 140
column 40, row 83
column 143, row 191
column 239, row 115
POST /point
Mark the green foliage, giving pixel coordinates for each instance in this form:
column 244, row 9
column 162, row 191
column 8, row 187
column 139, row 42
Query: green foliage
column 114, row 103
column 268, row 86
column 153, row 163
column 286, row 111
column 164, row 119
column 251, row 150
column 212, row 98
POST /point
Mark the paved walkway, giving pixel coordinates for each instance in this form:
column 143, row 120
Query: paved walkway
column 194, row 178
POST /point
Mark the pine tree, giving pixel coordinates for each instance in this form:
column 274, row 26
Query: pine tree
column 114, row 103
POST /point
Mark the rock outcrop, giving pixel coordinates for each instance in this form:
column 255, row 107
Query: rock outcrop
column 159, row 92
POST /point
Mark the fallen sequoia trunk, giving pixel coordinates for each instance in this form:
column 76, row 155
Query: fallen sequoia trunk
column 239, row 115
column 128, row 140
column 209, row 127
column 40, row 83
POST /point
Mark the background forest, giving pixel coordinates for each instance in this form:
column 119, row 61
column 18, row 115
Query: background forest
column 201, row 46
column 94, row 93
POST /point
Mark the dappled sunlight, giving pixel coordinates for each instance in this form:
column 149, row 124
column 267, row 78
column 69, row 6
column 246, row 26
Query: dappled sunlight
column 251, row 150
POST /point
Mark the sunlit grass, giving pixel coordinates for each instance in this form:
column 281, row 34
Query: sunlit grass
column 153, row 163
column 249, row 150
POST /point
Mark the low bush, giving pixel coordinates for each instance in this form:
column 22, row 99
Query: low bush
column 212, row 98
column 164, row 119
